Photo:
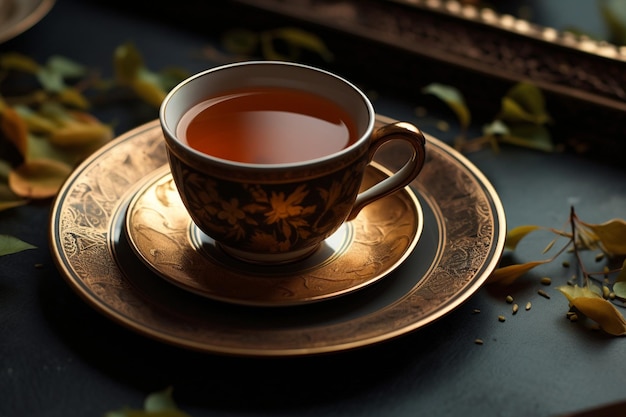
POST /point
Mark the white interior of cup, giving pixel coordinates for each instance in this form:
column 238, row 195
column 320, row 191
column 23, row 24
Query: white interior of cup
column 267, row 74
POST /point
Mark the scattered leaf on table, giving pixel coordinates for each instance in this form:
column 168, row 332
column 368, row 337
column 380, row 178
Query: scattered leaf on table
column 81, row 134
column 611, row 235
column 70, row 96
column 14, row 129
column 524, row 102
column 10, row 244
column 596, row 308
column 496, row 128
column 66, row 67
column 453, row 98
column 50, row 80
column 38, row 178
column 529, row 136
column 614, row 14
column 8, row 199
column 506, row 275
column 240, row 41
column 19, row 62
column 619, row 287
column 296, row 40
column 127, row 62
column 516, row 234
column 35, row 122
column 149, row 91
column 158, row 404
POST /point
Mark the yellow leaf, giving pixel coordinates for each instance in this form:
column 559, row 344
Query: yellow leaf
column 127, row 63
column 612, row 235
column 73, row 98
column 39, row 178
column 508, row 274
column 19, row 62
column 77, row 128
column 516, row 234
column 597, row 309
column 148, row 91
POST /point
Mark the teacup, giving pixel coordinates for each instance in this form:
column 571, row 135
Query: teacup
column 267, row 201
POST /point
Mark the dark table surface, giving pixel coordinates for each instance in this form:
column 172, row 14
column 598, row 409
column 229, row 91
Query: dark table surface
column 59, row 357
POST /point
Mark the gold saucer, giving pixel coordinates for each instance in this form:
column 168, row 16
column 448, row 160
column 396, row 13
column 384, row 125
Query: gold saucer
column 360, row 253
column 460, row 245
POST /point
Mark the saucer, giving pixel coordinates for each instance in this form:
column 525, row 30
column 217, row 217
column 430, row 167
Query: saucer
column 17, row 16
column 362, row 251
column 460, row 245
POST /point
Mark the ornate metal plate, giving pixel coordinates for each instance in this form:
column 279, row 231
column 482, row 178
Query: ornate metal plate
column 17, row 16
column 361, row 252
column 461, row 243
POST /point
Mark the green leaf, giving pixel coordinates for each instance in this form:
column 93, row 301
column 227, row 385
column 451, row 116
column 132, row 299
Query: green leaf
column 524, row 102
column 614, row 14
column 453, row 98
column 51, row 80
column 65, row 67
column 496, row 128
column 516, row 234
column 297, row 40
column 529, row 136
column 158, row 404
column 240, row 41
column 10, row 245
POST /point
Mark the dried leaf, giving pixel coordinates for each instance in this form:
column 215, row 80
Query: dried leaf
column 611, row 235
column 18, row 62
column 596, row 308
column 453, row 98
column 516, row 234
column 14, row 128
column 73, row 98
column 35, row 122
column 10, row 244
column 39, row 178
column 506, row 275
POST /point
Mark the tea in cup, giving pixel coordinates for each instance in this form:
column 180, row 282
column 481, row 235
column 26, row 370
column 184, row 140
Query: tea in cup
column 268, row 157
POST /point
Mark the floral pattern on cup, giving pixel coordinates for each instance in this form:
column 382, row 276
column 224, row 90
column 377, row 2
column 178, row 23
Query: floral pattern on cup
column 276, row 219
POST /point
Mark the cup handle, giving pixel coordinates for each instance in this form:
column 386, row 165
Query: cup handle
column 403, row 177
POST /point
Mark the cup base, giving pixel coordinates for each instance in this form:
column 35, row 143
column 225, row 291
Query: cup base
column 268, row 258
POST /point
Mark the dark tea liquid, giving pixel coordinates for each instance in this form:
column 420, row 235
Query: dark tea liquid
column 267, row 126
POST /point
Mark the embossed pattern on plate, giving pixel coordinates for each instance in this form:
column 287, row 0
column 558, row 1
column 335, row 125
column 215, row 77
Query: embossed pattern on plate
column 461, row 243
column 363, row 251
